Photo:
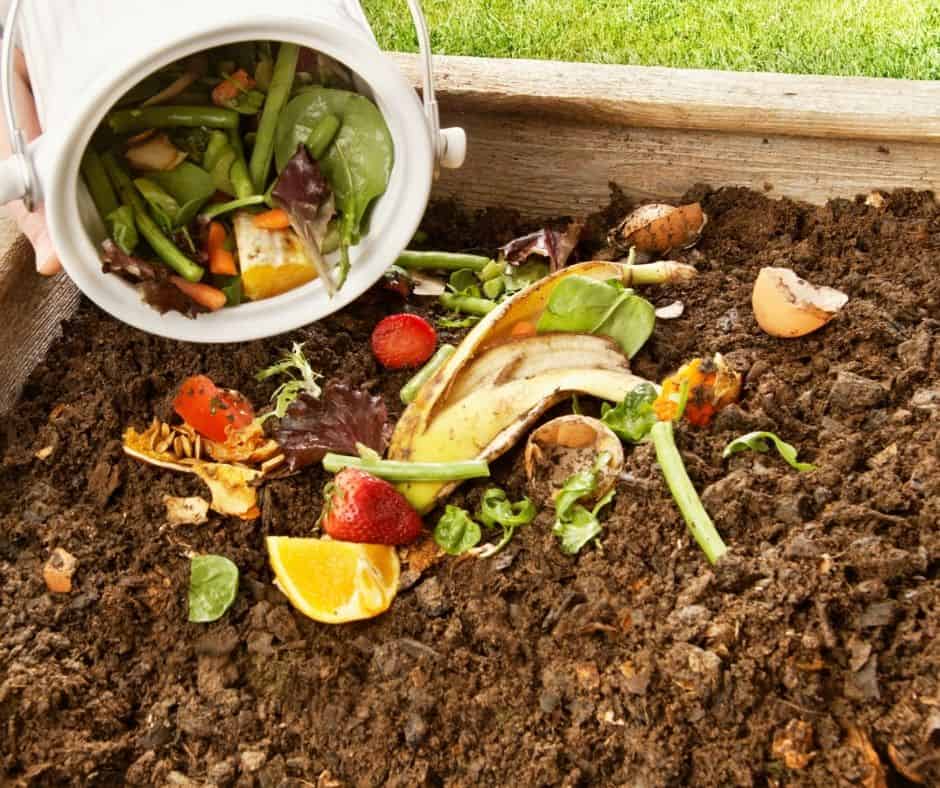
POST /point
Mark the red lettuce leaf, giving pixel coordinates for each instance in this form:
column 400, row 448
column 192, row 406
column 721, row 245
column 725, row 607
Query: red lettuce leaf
column 342, row 417
column 152, row 279
column 304, row 193
column 556, row 245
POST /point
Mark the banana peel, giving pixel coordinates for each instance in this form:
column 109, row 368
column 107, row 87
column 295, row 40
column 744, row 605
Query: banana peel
column 496, row 384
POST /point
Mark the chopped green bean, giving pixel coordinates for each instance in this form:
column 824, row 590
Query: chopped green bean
column 413, row 386
column 281, row 81
column 96, row 179
column 322, row 135
column 467, row 304
column 442, row 261
column 238, row 174
column 233, row 205
column 129, row 121
column 395, row 471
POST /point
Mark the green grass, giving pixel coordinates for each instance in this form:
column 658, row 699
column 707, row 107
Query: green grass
column 878, row 38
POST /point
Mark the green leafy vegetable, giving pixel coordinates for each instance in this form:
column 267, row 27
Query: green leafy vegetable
column 163, row 207
column 458, row 322
column 189, row 185
column 357, row 163
column 576, row 525
column 464, row 282
column 496, row 511
column 213, row 584
column 455, row 532
column 526, row 274
column 123, row 228
column 301, row 380
column 633, row 418
column 583, row 305
column 758, row 441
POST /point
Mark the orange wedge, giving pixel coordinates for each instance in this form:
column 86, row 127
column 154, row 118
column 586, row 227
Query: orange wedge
column 334, row 582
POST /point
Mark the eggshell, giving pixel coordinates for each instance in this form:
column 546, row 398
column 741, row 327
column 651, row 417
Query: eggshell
column 787, row 306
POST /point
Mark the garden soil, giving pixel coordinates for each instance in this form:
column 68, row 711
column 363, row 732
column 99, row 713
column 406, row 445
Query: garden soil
column 810, row 655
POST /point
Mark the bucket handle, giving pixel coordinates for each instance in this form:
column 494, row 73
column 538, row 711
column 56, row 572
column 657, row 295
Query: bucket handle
column 17, row 179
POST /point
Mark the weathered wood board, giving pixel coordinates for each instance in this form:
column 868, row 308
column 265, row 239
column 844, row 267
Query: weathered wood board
column 546, row 138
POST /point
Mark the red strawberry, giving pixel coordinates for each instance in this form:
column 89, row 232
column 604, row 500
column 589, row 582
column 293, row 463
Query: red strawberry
column 403, row 340
column 362, row 508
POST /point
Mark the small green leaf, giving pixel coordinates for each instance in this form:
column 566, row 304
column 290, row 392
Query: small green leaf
column 576, row 525
column 458, row 322
column 633, row 418
column 464, row 282
column 122, row 228
column 583, row 305
column 213, row 584
column 518, row 278
column 758, row 441
column 301, row 380
column 496, row 511
column 455, row 532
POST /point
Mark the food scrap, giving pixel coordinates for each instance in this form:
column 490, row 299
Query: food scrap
column 787, row 306
column 58, row 571
column 659, row 228
column 698, row 391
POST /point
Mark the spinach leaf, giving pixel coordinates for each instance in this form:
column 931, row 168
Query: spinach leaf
column 633, row 418
column 758, row 441
column 455, row 532
column 213, row 584
column 357, row 164
column 580, row 304
column 576, row 525
column 163, row 207
column 190, row 186
column 518, row 278
column 122, row 228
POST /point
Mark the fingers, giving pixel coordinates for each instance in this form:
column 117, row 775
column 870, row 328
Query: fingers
column 33, row 225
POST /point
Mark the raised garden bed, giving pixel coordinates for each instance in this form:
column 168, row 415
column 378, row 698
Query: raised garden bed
column 807, row 657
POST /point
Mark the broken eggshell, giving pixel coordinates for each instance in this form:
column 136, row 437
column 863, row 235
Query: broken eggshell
column 787, row 306
column 660, row 228
column 186, row 511
column 565, row 446
column 58, row 571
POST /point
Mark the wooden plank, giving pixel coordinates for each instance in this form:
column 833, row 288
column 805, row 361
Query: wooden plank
column 775, row 104
column 542, row 165
column 32, row 308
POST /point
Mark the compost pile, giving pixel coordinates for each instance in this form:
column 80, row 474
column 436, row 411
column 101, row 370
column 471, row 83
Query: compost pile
column 808, row 655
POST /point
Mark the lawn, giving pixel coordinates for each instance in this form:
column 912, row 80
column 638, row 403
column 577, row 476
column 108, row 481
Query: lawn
column 878, row 38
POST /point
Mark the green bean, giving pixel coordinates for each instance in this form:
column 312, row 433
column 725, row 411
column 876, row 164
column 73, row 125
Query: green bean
column 322, row 135
column 122, row 228
column 239, row 175
column 281, row 81
column 442, row 261
column 96, row 179
column 165, row 249
column 397, row 471
column 467, row 304
column 218, row 209
column 411, row 388
column 129, row 121
column 493, row 288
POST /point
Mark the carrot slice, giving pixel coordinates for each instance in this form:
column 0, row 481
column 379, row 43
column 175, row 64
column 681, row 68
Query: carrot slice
column 221, row 260
column 229, row 88
column 275, row 219
column 205, row 295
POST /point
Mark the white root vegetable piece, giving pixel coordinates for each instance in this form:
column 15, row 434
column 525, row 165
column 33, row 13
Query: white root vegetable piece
column 156, row 153
column 565, row 446
column 787, row 306
column 58, row 571
column 660, row 228
column 186, row 511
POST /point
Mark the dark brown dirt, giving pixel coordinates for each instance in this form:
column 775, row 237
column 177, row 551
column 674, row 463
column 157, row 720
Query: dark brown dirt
column 636, row 664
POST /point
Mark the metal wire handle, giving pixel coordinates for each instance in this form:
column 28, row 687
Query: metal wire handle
column 14, row 134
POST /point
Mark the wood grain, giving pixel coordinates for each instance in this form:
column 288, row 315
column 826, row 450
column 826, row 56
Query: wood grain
column 544, row 166
column 32, row 307
column 640, row 96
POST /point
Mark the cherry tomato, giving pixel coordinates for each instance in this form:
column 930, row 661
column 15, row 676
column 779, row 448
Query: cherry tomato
column 211, row 411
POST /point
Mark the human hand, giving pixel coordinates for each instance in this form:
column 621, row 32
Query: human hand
column 33, row 225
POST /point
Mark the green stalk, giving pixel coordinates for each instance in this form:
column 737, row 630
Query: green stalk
column 441, row 261
column 129, row 121
column 96, row 179
column 411, row 388
column 232, row 205
column 663, row 272
column 165, row 249
column 238, row 174
column 683, row 491
column 394, row 471
column 467, row 304
column 281, row 81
